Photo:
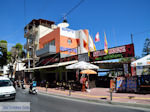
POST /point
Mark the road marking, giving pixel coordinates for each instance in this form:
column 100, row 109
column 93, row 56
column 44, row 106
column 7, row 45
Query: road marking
column 96, row 103
column 94, row 96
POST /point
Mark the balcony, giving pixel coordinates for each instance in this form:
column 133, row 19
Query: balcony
column 31, row 33
column 46, row 51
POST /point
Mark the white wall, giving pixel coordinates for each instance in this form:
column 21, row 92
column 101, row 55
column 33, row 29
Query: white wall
column 68, row 32
column 5, row 69
column 42, row 31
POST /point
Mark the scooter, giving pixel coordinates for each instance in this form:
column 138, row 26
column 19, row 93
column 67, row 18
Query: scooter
column 23, row 86
column 33, row 91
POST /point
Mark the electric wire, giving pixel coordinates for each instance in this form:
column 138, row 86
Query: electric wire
column 71, row 10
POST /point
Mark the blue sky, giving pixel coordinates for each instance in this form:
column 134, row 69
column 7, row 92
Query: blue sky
column 118, row 18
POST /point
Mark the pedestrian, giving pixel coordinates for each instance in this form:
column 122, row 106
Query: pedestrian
column 83, row 82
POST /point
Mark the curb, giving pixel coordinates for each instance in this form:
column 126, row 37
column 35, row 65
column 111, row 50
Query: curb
column 146, row 106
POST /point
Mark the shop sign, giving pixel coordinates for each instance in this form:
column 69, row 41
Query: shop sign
column 113, row 53
column 71, row 58
column 69, row 50
column 148, row 62
column 83, row 57
column 67, row 32
column 48, row 60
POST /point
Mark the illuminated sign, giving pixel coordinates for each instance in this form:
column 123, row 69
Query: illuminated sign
column 113, row 53
column 69, row 50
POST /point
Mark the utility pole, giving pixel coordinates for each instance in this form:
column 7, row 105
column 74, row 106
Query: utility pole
column 34, row 47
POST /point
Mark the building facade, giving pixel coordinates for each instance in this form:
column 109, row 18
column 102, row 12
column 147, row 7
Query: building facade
column 44, row 38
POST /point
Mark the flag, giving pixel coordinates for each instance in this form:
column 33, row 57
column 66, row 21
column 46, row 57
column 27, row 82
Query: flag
column 97, row 37
column 94, row 47
column 89, row 53
column 28, row 56
column 105, row 45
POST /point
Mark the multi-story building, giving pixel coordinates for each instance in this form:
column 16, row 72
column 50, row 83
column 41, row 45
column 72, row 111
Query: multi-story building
column 33, row 31
column 45, row 38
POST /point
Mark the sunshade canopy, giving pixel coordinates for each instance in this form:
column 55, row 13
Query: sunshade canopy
column 82, row 65
column 88, row 72
column 145, row 61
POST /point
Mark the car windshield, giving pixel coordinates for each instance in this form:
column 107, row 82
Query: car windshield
column 4, row 83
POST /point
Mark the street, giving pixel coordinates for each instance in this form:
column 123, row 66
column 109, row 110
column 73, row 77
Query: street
column 48, row 103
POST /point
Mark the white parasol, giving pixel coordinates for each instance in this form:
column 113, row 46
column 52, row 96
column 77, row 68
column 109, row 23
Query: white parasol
column 82, row 65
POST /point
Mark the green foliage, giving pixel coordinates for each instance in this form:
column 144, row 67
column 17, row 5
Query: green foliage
column 125, row 60
column 18, row 46
column 146, row 48
column 3, row 53
column 19, row 49
column 8, row 57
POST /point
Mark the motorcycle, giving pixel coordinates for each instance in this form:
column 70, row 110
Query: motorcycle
column 22, row 85
column 33, row 91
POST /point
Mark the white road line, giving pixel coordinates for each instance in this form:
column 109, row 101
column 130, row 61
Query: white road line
column 96, row 103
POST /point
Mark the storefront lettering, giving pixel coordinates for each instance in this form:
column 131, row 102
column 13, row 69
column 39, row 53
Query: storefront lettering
column 70, row 50
column 110, row 51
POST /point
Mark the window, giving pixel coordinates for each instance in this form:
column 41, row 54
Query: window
column 69, row 41
column 52, row 43
column 4, row 83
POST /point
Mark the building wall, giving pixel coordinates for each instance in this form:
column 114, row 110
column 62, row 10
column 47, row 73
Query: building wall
column 67, row 41
column 55, row 35
column 42, row 31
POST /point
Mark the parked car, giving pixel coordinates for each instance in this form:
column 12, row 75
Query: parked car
column 7, row 90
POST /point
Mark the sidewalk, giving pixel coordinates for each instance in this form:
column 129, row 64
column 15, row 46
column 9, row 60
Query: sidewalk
column 103, row 94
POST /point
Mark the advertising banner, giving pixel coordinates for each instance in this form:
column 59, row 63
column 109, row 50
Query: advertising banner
column 113, row 53
column 121, row 84
column 131, row 84
column 112, row 84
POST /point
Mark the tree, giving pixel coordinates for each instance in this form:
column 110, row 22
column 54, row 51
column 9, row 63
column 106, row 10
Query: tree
column 146, row 48
column 16, row 53
column 125, row 60
column 19, row 49
column 3, row 53
column 8, row 57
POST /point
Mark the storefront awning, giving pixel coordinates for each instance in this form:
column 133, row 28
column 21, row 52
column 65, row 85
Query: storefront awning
column 144, row 61
column 54, row 65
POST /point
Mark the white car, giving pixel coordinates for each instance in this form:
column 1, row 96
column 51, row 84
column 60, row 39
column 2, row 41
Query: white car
column 7, row 91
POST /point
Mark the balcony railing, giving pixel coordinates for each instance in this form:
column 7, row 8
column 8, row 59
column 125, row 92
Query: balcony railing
column 46, row 51
column 32, row 32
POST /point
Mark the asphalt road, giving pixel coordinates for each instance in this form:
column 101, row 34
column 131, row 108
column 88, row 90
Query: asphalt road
column 49, row 103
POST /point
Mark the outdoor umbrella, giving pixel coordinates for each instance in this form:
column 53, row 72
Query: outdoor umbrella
column 88, row 72
column 82, row 65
